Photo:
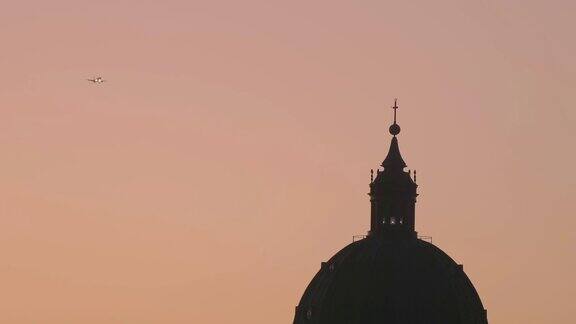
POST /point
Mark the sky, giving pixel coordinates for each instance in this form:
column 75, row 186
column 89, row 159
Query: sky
column 229, row 151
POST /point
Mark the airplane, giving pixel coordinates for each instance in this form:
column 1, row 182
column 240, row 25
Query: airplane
column 96, row 80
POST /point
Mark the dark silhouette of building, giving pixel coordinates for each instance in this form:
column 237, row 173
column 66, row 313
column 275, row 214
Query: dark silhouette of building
column 391, row 276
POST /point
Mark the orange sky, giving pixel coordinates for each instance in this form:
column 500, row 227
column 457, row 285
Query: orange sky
column 229, row 152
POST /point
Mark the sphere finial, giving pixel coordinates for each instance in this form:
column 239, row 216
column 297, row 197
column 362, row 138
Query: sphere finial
column 394, row 128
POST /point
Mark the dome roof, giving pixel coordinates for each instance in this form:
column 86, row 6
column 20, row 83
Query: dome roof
column 390, row 281
column 391, row 277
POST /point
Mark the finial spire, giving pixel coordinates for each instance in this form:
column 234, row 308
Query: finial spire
column 395, row 107
column 395, row 128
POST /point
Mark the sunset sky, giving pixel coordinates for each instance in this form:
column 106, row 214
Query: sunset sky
column 229, row 151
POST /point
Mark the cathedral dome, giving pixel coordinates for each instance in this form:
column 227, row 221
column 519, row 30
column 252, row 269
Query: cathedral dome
column 391, row 276
column 390, row 281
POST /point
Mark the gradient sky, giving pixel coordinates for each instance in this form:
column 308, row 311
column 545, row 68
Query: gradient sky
column 229, row 152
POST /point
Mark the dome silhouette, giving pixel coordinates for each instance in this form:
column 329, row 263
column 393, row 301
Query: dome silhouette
column 391, row 276
column 396, row 281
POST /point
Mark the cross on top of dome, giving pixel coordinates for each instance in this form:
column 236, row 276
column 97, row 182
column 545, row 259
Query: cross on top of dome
column 394, row 128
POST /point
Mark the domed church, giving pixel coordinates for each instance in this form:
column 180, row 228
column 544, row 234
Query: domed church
column 391, row 276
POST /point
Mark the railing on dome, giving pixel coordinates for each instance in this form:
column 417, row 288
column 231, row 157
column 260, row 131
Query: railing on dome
column 426, row 238
column 358, row 237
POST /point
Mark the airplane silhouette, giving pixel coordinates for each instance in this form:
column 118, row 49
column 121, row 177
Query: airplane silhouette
column 96, row 80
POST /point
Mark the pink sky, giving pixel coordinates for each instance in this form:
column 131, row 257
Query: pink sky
column 229, row 152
